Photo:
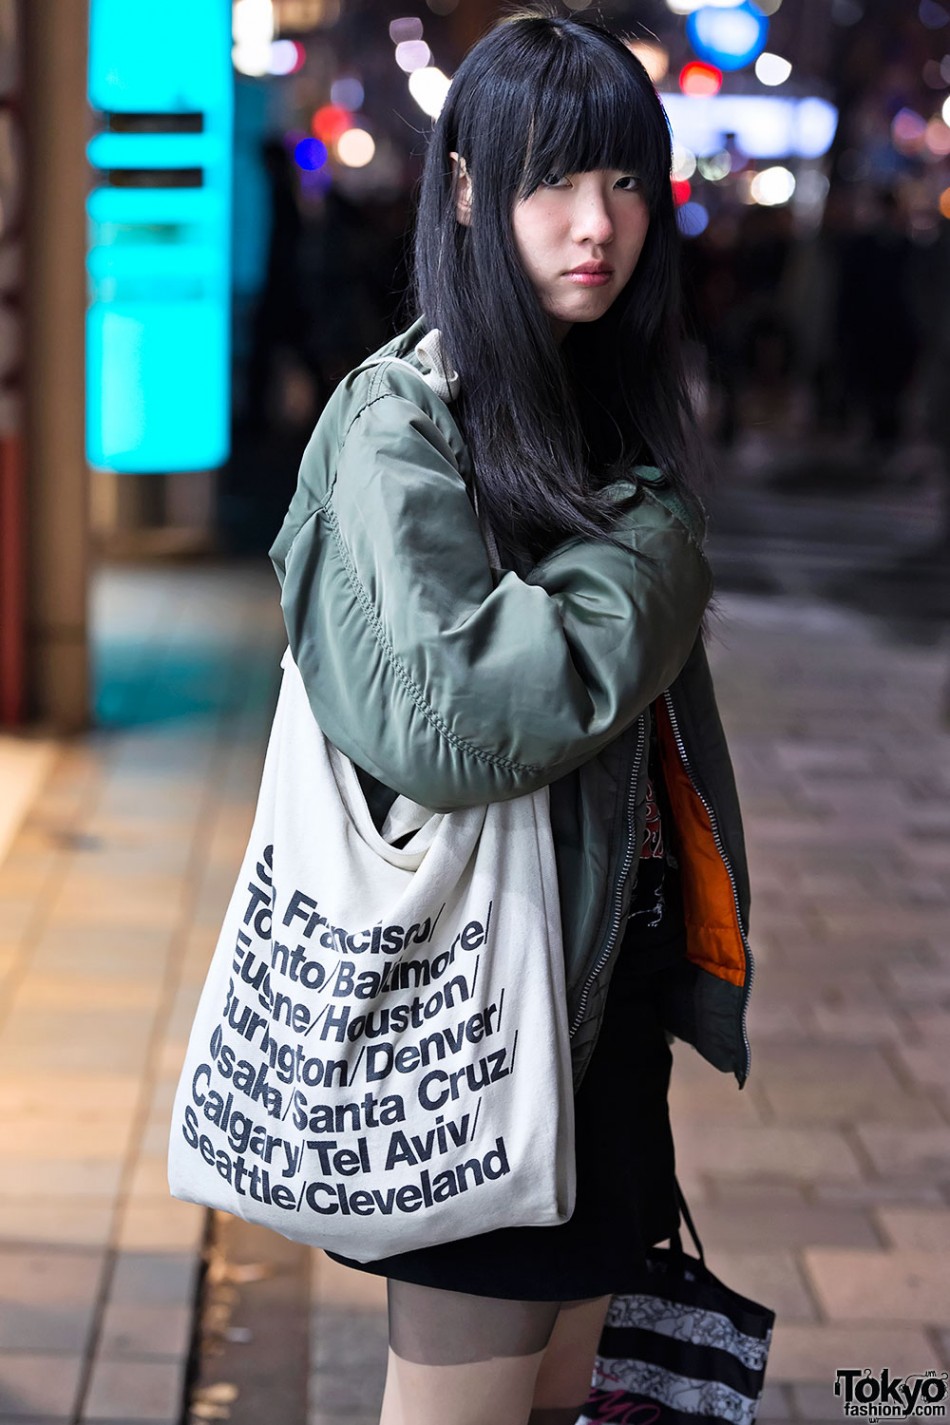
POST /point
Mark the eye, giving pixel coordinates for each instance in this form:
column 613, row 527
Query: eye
column 552, row 180
column 629, row 183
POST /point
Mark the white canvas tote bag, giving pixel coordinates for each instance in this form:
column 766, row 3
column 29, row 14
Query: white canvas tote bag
column 380, row 1057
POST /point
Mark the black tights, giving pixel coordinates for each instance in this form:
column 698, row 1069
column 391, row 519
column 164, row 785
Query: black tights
column 489, row 1351
column 450, row 1328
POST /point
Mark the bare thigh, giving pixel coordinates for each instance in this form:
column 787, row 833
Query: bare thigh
column 457, row 1359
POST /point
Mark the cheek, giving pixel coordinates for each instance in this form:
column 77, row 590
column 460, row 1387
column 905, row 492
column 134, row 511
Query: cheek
column 532, row 237
column 535, row 222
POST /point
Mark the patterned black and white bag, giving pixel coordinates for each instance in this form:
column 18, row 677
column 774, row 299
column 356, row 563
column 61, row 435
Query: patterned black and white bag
column 680, row 1347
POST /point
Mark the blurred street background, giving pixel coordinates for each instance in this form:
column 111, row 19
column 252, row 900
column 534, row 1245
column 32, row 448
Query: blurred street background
column 205, row 211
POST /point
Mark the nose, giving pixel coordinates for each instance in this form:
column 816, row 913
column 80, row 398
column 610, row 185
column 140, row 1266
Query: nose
column 592, row 220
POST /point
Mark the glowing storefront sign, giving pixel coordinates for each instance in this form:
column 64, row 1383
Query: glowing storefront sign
column 765, row 126
column 158, row 327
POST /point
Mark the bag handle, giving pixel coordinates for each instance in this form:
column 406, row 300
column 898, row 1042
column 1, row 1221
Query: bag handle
column 687, row 1217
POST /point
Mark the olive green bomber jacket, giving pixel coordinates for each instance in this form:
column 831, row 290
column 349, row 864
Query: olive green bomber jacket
column 456, row 684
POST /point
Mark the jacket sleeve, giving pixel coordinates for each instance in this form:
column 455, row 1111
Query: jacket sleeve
column 451, row 689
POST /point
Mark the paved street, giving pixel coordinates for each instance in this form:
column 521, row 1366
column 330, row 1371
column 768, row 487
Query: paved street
column 823, row 1187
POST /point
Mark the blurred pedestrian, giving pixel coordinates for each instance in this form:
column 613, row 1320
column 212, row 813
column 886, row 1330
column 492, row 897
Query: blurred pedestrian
column 810, row 301
column 278, row 326
column 493, row 581
column 877, row 333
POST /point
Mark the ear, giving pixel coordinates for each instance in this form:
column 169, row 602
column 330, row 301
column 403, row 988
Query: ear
column 463, row 190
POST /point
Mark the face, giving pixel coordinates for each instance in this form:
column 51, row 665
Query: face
column 579, row 237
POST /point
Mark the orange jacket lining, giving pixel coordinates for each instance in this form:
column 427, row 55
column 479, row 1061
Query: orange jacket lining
column 713, row 934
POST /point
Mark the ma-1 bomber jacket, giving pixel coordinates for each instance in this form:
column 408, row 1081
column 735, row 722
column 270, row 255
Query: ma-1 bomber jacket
column 457, row 684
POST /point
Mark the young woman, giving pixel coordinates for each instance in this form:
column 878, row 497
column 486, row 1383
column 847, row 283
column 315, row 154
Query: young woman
column 493, row 580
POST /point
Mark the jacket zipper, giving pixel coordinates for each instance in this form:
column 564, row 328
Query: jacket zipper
column 720, row 847
column 604, row 955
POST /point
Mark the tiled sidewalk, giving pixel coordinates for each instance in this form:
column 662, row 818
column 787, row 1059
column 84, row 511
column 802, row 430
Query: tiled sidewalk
column 110, row 901
column 823, row 1188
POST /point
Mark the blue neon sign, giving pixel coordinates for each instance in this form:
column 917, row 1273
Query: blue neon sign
column 159, row 266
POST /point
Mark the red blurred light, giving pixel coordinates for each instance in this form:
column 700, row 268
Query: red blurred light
column 698, row 80
column 329, row 122
column 681, row 191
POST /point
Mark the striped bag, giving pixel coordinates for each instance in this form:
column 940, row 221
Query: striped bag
column 679, row 1347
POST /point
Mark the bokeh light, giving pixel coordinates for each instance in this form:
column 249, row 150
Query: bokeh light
column 286, row 57
column 252, row 28
column 408, row 28
column 816, row 122
column 310, row 154
column 654, row 58
column 700, row 80
column 908, row 130
column 729, row 39
column 945, row 111
column 763, row 125
column 937, row 138
column 684, row 162
column 944, row 203
column 412, row 54
column 330, row 121
column 717, row 166
column 772, row 187
column 429, row 87
column 811, row 188
column 692, row 219
column 772, row 69
column 681, row 191
column 347, row 91
column 932, row 14
column 355, row 148
column 683, row 7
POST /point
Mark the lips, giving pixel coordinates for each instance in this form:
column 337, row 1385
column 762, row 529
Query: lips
column 589, row 274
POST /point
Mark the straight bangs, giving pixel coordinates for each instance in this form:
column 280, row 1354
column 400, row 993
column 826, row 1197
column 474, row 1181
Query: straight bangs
column 597, row 109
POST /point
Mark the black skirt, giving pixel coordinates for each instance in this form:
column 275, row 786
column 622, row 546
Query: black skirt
column 626, row 1200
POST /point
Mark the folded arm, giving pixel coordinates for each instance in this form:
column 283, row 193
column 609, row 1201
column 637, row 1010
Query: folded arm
column 450, row 689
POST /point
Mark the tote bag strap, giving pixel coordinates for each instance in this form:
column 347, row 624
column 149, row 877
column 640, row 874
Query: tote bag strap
column 675, row 1238
column 404, row 817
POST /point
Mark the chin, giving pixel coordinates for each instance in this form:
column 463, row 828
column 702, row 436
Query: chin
column 588, row 313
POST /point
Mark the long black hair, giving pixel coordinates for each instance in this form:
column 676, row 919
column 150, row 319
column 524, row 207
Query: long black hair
column 550, row 427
